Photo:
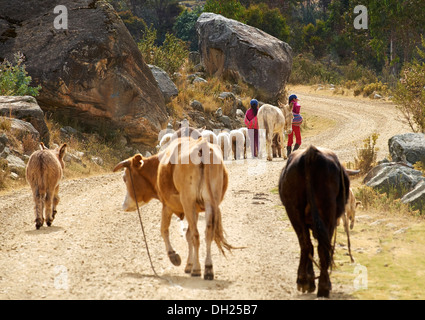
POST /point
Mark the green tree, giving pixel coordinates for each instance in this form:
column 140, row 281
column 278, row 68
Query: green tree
column 135, row 25
column 269, row 20
column 231, row 9
column 184, row 27
column 410, row 92
column 14, row 79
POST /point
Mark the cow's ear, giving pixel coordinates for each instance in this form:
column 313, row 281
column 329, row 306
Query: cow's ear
column 138, row 161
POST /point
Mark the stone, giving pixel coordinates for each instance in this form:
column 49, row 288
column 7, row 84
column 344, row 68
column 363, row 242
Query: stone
column 232, row 50
column 416, row 197
column 165, row 84
column 226, row 121
column 407, row 147
column 15, row 163
column 20, row 129
column 394, row 177
column 196, row 105
column 27, row 109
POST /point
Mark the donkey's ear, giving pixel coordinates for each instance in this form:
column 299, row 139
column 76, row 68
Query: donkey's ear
column 62, row 151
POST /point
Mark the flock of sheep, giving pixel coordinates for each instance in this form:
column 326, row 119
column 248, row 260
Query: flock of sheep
column 233, row 143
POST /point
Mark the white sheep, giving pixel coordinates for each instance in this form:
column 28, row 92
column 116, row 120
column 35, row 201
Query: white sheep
column 237, row 139
column 210, row 136
column 223, row 140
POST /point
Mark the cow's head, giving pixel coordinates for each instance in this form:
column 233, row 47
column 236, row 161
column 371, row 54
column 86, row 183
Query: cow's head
column 139, row 177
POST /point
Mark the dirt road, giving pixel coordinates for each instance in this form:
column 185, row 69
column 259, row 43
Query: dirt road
column 94, row 250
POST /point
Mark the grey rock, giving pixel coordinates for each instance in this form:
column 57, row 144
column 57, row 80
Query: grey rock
column 408, row 147
column 233, row 50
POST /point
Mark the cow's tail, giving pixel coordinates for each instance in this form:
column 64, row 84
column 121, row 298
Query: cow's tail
column 320, row 232
column 217, row 170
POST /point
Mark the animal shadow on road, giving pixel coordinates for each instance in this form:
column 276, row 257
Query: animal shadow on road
column 184, row 281
column 44, row 230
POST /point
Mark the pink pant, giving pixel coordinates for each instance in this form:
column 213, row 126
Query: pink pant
column 297, row 131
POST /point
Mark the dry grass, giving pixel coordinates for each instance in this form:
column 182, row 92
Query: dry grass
column 205, row 92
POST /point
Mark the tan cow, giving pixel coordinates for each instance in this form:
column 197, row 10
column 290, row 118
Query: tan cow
column 274, row 120
column 43, row 172
column 349, row 216
column 185, row 190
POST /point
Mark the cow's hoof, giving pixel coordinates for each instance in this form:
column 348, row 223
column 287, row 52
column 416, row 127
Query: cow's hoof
column 269, row 159
column 188, row 268
column 174, row 258
column 306, row 286
column 209, row 273
column 38, row 223
column 323, row 293
column 196, row 273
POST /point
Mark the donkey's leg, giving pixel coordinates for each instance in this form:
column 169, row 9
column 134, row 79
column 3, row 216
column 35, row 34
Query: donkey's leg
column 38, row 208
column 55, row 201
column 49, row 207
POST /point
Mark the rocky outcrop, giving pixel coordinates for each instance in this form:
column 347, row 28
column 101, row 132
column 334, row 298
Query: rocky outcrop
column 231, row 49
column 407, row 147
column 393, row 177
column 27, row 109
column 399, row 177
column 91, row 72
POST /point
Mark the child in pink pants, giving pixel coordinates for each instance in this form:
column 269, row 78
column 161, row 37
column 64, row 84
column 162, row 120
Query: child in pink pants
column 296, row 123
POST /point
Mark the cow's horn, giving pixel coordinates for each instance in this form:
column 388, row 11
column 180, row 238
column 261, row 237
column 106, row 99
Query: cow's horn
column 122, row 164
column 352, row 172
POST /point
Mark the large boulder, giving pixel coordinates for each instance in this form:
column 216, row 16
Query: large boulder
column 231, row 49
column 393, row 177
column 407, row 147
column 91, row 72
column 27, row 109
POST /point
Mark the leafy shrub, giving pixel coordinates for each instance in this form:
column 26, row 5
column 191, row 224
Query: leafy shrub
column 14, row 79
column 306, row 70
column 366, row 156
column 169, row 57
column 377, row 87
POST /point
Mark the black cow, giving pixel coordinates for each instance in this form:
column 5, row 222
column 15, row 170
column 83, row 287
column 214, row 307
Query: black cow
column 314, row 189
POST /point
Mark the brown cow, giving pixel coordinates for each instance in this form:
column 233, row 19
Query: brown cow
column 43, row 172
column 185, row 190
column 314, row 189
